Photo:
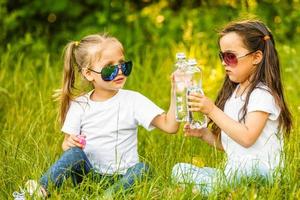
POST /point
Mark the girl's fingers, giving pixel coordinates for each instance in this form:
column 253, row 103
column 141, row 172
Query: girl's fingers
column 71, row 143
column 74, row 141
column 186, row 126
column 186, row 129
column 188, row 133
column 74, row 137
column 192, row 98
column 197, row 95
column 172, row 83
column 172, row 76
column 195, row 109
column 194, row 104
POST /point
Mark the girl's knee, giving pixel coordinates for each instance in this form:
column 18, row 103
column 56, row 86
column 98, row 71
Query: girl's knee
column 75, row 149
column 144, row 167
column 73, row 156
column 75, row 152
column 180, row 168
column 140, row 168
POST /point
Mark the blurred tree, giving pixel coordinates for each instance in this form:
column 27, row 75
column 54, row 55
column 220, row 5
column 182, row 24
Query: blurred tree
column 148, row 20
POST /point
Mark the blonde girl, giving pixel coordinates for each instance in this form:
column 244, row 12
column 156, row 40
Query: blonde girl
column 100, row 126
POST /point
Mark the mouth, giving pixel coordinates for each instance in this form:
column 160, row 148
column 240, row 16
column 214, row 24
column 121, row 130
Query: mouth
column 119, row 80
column 227, row 71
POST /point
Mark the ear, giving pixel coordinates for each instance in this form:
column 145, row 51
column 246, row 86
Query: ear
column 87, row 74
column 257, row 57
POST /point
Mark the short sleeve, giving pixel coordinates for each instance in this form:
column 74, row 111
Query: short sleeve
column 145, row 111
column 72, row 122
column 262, row 100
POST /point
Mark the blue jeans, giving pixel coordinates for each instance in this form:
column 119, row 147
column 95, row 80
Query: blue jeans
column 75, row 163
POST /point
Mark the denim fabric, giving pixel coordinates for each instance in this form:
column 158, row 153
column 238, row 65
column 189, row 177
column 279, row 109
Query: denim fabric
column 133, row 174
column 72, row 163
column 75, row 163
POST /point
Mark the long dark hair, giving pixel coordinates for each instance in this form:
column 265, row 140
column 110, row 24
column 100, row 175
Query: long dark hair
column 256, row 36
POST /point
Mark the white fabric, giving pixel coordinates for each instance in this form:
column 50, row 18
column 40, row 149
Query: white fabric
column 264, row 154
column 207, row 179
column 111, row 128
column 204, row 178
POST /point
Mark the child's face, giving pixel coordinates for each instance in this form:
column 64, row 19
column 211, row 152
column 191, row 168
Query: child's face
column 109, row 56
column 239, row 61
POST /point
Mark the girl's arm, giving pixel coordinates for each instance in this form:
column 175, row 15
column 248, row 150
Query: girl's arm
column 167, row 121
column 204, row 134
column 243, row 133
column 71, row 140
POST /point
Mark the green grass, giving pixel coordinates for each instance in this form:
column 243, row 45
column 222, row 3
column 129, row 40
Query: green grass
column 31, row 139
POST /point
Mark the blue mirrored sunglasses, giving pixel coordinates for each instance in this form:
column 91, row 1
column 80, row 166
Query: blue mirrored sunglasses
column 110, row 72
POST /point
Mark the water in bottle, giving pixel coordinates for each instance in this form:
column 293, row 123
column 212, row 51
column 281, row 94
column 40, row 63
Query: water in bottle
column 180, row 80
column 197, row 119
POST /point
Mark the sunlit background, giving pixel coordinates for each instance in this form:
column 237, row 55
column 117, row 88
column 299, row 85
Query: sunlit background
column 33, row 34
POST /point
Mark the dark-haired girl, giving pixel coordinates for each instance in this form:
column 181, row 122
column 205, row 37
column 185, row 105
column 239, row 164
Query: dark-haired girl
column 250, row 113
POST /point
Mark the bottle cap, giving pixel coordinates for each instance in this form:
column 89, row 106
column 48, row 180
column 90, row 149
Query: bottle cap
column 192, row 61
column 180, row 55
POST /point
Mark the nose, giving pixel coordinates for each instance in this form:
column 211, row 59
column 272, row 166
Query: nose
column 223, row 62
column 119, row 69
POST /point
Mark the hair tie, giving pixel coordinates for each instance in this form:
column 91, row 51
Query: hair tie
column 266, row 37
column 76, row 43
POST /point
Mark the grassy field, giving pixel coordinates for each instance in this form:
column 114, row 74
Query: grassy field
column 31, row 139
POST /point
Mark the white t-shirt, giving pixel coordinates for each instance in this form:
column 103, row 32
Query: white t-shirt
column 111, row 128
column 264, row 154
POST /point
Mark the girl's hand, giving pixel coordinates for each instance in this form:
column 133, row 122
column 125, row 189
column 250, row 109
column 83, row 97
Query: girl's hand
column 193, row 132
column 72, row 141
column 172, row 84
column 200, row 103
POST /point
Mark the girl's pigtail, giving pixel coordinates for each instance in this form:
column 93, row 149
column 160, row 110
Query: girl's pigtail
column 66, row 93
